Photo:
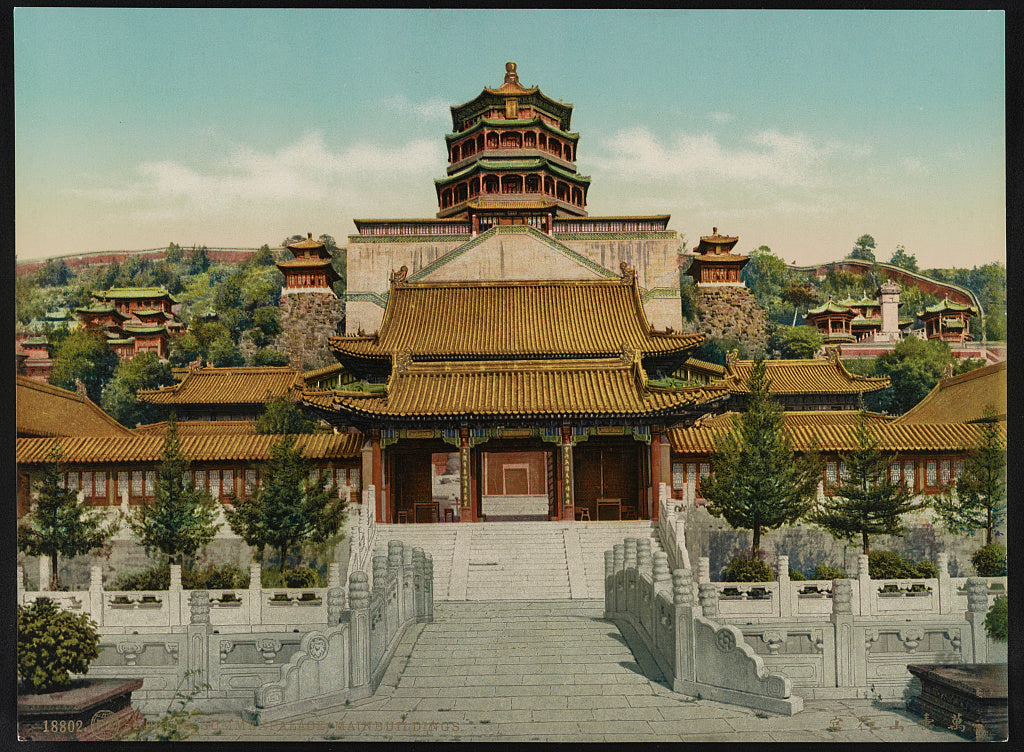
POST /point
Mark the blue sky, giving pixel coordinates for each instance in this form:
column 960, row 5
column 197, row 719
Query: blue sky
column 800, row 130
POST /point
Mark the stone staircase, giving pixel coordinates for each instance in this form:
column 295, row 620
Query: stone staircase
column 495, row 561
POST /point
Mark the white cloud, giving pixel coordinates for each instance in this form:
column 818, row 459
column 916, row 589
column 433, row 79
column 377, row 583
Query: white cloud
column 430, row 110
column 769, row 157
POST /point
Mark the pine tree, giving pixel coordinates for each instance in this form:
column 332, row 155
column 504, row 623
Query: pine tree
column 978, row 498
column 289, row 507
column 180, row 519
column 758, row 483
column 58, row 524
column 867, row 501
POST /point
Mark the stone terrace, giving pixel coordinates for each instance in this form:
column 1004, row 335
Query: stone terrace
column 552, row 671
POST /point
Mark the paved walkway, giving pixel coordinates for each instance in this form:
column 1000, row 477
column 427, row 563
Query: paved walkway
column 553, row 671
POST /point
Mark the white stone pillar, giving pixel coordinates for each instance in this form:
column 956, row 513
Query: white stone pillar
column 44, row 573
column 784, row 605
column 21, row 586
column 946, row 594
column 703, row 569
column 96, row 595
column 255, row 594
column 174, row 596
column 868, row 601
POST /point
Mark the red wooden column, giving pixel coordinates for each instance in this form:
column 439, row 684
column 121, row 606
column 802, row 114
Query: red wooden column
column 378, row 478
column 661, row 466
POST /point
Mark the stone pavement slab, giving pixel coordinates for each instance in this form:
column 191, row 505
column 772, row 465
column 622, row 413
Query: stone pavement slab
column 555, row 676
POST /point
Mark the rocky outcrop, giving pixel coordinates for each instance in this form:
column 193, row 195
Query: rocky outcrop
column 308, row 320
column 731, row 313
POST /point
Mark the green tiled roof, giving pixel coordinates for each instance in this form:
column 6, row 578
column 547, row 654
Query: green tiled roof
column 136, row 292
column 520, row 123
column 121, row 341
column 946, row 305
column 829, row 307
column 137, row 329
column 101, row 308
column 513, row 164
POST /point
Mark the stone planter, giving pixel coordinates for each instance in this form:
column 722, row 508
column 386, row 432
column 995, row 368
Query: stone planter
column 969, row 698
column 98, row 709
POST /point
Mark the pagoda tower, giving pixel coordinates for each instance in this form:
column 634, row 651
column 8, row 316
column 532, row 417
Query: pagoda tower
column 310, row 312
column 511, row 160
column 715, row 263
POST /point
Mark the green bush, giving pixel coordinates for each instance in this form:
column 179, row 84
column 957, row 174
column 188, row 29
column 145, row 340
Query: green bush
column 990, row 560
column 796, row 574
column 996, row 620
column 889, row 565
column 295, row 577
column 828, row 572
column 151, row 578
column 215, row 577
column 926, row 569
column 53, row 644
column 743, row 569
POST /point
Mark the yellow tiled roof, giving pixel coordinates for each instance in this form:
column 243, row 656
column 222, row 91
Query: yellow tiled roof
column 200, row 427
column 810, row 376
column 800, row 418
column 208, row 448
column 607, row 386
column 45, row 410
column 244, row 385
column 521, row 318
column 963, row 398
column 840, row 437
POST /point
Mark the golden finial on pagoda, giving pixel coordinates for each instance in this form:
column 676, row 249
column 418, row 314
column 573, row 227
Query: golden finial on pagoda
column 511, row 77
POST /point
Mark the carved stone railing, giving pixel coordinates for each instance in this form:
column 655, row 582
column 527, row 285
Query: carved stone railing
column 671, row 530
column 269, row 651
column 698, row 655
column 362, row 531
column 845, row 652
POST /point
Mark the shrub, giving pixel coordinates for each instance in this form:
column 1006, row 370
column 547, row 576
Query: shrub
column 52, row 644
column 296, row 577
column 990, row 560
column 926, row 569
column 796, row 574
column 743, row 569
column 151, row 578
column 996, row 620
column 828, row 572
column 209, row 577
column 889, row 565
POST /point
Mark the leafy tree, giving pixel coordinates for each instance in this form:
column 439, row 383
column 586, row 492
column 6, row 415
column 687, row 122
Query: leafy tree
column 687, row 298
column 714, row 350
column 963, row 365
column 173, row 253
column 145, row 371
column 800, row 294
column 863, row 249
column 185, row 349
column 180, row 519
column 797, row 341
column 765, row 274
column 84, row 356
column 199, row 260
column 977, row 500
column 868, row 501
column 914, row 367
column 758, row 483
column 54, row 273
column 268, row 357
column 281, row 416
column 58, row 524
column 289, row 507
column 263, row 257
column 904, row 260
column 266, row 321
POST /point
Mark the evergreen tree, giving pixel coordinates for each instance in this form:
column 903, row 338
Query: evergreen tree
column 863, row 249
column 282, row 416
column 58, row 524
column 289, row 507
column 145, row 371
column 83, row 356
column 180, row 519
column 978, row 499
column 867, row 501
column 758, row 483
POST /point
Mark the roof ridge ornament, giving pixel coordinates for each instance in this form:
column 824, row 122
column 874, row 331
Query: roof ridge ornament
column 628, row 354
column 947, row 372
column 403, row 359
column 732, row 357
column 832, row 354
column 400, row 278
column 511, row 77
column 628, row 276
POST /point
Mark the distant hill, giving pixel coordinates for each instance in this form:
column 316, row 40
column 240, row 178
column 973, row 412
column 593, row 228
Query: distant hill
column 98, row 258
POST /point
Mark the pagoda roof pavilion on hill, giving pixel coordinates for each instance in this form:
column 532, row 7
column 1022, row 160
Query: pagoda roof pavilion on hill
column 512, row 319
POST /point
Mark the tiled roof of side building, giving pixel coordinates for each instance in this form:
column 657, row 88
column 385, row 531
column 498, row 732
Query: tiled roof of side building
column 134, row 292
column 200, row 428
column 205, row 448
column 809, row 376
column 515, row 318
column 840, row 437
column 244, row 385
column 798, row 418
column 963, row 398
column 606, row 386
column 46, row 410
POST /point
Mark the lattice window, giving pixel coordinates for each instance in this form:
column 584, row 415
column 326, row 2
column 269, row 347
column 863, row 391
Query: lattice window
column 908, row 474
column 122, row 485
column 150, row 482
column 844, row 472
column 136, row 484
column 958, row 468
column 931, row 473
column 678, row 475
column 250, row 482
column 831, row 473
column 944, row 472
column 894, row 472
column 227, row 482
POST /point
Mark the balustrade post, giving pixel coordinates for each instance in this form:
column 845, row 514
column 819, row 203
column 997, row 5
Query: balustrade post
column 428, row 563
column 21, row 585
column 703, row 569
column 174, row 596
column 786, row 599
column 946, row 594
column 359, row 628
column 418, row 582
column 708, row 593
column 44, row 573
column 255, row 594
column 334, row 574
column 660, row 573
column 609, row 583
column 619, row 560
column 868, row 595
column 408, row 586
column 850, row 658
column 380, row 567
column 644, row 560
column 683, row 602
column 977, row 608
column 335, row 605
column 680, row 535
column 96, row 595
column 198, row 633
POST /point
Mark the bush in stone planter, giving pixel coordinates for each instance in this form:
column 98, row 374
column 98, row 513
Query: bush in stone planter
column 828, row 572
column 889, row 565
column 53, row 644
column 295, row 577
column 796, row 575
column 743, row 569
column 997, row 620
column 990, row 560
column 209, row 577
